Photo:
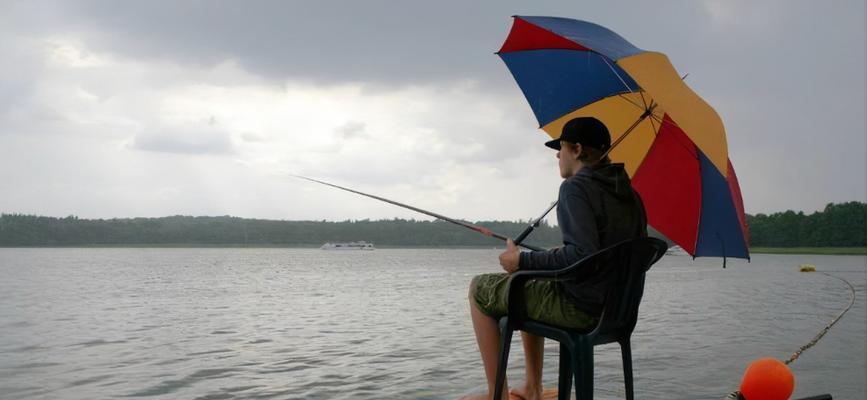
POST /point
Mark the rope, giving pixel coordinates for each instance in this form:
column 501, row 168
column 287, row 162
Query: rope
column 737, row 395
column 827, row 327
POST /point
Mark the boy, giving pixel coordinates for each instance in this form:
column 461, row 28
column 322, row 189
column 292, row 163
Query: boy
column 597, row 208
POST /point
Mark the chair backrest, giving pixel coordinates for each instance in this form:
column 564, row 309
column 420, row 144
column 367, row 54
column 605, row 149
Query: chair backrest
column 625, row 265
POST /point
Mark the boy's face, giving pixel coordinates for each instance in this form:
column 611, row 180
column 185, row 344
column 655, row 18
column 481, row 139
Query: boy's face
column 568, row 156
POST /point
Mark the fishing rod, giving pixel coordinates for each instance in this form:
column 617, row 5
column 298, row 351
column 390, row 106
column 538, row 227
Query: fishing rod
column 479, row 229
column 648, row 112
column 533, row 225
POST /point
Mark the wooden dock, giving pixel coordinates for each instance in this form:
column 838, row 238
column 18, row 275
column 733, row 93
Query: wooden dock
column 547, row 394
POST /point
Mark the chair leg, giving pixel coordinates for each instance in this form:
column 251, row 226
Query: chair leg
column 626, row 351
column 565, row 382
column 583, row 372
column 505, row 345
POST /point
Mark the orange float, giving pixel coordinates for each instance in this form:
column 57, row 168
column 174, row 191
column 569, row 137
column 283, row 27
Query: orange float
column 767, row 379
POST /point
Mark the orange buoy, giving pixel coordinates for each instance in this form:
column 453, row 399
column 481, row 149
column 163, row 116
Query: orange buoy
column 767, row 379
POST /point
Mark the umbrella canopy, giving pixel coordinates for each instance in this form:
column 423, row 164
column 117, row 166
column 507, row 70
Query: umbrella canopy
column 672, row 143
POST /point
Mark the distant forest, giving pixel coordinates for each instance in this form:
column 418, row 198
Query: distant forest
column 838, row 225
column 29, row 230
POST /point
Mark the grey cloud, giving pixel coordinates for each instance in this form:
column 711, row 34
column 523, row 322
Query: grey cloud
column 375, row 41
column 786, row 76
column 352, row 130
column 11, row 93
column 184, row 142
column 251, row 137
column 19, row 71
column 323, row 41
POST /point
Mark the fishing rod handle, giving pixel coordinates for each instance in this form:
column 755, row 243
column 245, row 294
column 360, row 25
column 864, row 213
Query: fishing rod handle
column 526, row 246
column 534, row 224
column 520, row 238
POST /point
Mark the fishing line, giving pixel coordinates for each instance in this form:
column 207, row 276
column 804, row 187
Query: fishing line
column 476, row 228
column 827, row 327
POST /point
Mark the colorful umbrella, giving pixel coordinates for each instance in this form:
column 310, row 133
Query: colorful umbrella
column 671, row 141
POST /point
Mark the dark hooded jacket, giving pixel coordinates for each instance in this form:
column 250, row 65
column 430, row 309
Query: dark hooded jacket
column 597, row 208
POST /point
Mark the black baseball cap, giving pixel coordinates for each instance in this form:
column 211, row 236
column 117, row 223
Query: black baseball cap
column 587, row 131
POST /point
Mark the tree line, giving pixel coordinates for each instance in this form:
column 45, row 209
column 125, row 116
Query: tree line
column 31, row 230
column 838, row 225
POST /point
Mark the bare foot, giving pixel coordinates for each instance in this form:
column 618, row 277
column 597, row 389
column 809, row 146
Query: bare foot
column 522, row 392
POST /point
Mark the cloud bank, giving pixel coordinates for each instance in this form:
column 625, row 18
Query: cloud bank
column 203, row 108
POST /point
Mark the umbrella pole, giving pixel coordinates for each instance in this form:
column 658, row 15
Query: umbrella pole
column 535, row 224
column 648, row 112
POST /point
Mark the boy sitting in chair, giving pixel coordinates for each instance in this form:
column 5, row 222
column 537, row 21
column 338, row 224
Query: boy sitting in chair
column 597, row 208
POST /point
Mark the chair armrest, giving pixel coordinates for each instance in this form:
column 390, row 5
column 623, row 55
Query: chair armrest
column 588, row 265
column 517, row 309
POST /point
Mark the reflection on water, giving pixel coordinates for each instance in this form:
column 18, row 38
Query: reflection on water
column 308, row 324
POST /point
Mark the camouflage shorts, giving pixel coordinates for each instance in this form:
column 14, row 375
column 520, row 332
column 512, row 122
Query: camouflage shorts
column 546, row 301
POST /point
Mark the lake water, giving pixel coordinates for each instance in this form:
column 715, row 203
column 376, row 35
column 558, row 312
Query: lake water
column 388, row 324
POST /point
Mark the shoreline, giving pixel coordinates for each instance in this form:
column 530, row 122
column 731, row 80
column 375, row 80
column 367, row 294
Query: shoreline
column 830, row 251
column 231, row 246
column 753, row 250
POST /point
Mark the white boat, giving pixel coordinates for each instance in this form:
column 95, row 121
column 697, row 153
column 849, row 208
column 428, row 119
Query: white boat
column 676, row 250
column 361, row 245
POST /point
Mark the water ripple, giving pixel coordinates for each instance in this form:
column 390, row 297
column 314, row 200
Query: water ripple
column 304, row 324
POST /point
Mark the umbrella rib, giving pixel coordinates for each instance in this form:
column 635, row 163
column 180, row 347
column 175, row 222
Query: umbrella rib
column 680, row 143
column 648, row 110
column 643, row 100
column 629, row 89
column 653, row 117
column 661, row 119
column 651, row 107
column 644, row 107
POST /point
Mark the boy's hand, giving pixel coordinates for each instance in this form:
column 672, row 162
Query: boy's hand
column 511, row 258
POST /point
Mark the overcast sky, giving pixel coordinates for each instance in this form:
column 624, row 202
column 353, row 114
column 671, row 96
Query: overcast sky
column 154, row 108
